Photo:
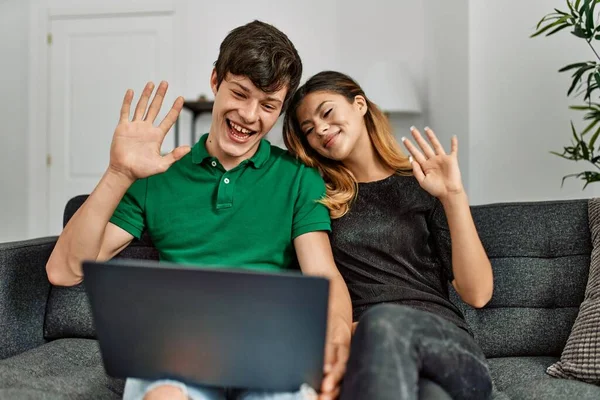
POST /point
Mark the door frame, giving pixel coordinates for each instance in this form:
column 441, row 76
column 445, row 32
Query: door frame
column 41, row 14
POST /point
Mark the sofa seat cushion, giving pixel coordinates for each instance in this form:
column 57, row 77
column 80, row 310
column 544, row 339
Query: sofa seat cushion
column 553, row 389
column 508, row 371
column 61, row 369
column 526, row 378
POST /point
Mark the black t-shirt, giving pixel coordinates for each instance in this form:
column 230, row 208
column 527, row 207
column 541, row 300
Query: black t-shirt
column 393, row 246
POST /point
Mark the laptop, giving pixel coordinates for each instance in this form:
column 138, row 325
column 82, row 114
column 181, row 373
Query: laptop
column 208, row 326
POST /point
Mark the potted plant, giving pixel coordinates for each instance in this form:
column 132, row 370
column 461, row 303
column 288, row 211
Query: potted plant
column 580, row 20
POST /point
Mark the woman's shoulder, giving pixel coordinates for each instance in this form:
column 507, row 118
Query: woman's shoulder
column 407, row 187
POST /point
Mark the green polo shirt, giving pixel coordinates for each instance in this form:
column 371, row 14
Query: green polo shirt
column 198, row 213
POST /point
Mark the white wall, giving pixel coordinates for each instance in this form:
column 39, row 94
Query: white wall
column 14, row 32
column 389, row 31
column 341, row 35
column 491, row 85
column 447, row 71
column 518, row 109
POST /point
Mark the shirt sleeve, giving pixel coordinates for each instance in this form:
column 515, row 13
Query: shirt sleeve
column 130, row 213
column 438, row 225
column 309, row 214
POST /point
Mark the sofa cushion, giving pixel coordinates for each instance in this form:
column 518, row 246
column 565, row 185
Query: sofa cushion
column 526, row 378
column 24, row 290
column 68, row 312
column 581, row 356
column 540, row 254
column 510, row 371
column 554, row 389
column 67, row 368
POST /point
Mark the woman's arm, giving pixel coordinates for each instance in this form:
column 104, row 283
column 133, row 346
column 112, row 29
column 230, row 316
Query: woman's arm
column 473, row 277
column 438, row 173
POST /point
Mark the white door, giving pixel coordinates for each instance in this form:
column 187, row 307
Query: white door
column 93, row 61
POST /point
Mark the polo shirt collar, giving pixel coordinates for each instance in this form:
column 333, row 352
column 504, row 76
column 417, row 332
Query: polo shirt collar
column 258, row 160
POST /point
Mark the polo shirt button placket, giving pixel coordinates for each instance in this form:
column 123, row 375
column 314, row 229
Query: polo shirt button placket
column 225, row 192
column 213, row 163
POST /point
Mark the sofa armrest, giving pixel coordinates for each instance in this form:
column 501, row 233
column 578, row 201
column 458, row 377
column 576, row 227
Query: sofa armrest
column 24, row 289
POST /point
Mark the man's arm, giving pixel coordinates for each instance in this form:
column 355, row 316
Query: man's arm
column 134, row 154
column 315, row 257
column 89, row 235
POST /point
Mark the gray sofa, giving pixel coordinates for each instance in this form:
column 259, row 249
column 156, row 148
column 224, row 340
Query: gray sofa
column 540, row 253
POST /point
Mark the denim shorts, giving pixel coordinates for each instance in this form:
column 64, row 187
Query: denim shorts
column 136, row 389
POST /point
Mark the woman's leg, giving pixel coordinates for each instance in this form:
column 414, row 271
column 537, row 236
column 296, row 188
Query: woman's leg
column 395, row 345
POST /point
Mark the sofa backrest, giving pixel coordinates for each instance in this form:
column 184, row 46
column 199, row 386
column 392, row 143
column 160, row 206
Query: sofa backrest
column 540, row 254
column 68, row 311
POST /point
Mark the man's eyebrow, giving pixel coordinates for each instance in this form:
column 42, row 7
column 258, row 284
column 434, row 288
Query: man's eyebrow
column 244, row 88
column 316, row 112
column 274, row 99
column 247, row 90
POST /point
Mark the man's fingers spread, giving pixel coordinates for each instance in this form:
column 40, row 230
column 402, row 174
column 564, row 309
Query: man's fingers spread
column 126, row 107
column 140, row 109
column 157, row 101
column 171, row 116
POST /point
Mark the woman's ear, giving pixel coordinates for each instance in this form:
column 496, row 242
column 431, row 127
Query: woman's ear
column 214, row 85
column 361, row 104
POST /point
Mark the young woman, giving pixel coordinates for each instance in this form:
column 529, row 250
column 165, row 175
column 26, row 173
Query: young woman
column 392, row 215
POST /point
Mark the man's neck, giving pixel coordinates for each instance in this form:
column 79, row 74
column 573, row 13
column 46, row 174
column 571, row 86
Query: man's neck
column 228, row 162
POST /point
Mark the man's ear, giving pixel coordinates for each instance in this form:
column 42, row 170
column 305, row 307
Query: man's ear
column 214, row 83
column 361, row 104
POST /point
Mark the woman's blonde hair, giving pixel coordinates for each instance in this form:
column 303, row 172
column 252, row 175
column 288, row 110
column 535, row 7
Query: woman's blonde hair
column 340, row 182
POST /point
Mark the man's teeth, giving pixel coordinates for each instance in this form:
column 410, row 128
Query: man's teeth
column 240, row 129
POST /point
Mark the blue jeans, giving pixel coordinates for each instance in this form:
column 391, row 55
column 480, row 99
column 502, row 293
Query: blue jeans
column 402, row 353
column 136, row 389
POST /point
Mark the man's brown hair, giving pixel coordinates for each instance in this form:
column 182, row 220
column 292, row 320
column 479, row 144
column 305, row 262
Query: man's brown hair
column 264, row 55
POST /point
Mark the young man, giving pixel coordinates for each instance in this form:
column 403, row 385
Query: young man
column 232, row 199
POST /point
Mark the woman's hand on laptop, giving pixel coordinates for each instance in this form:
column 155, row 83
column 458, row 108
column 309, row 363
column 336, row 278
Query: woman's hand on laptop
column 336, row 357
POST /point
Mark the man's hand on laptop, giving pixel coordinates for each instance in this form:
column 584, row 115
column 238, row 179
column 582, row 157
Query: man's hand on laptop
column 136, row 146
column 336, row 357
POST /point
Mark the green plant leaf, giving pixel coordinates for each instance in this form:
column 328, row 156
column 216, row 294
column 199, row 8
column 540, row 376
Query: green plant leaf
column 589, row 127
column 589, row 17
column 577, row 75
column 593, row 142
column 574, row 132
column 570, row 7
column 560, row 28
column 547, row 27
column 576, row 79
column 580, row 108
column 579, row 32
column 590, row 87
column 584, row 7
column 571, row 66
column 585, row 150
